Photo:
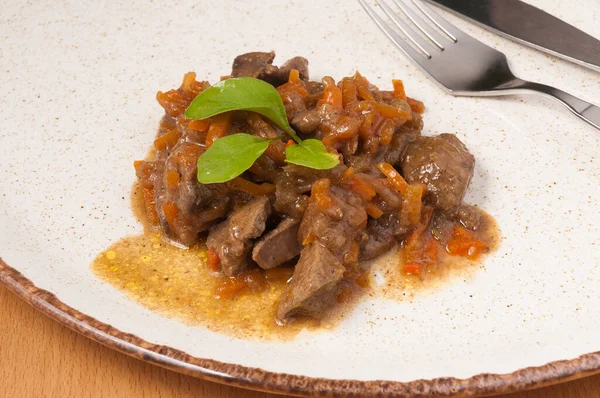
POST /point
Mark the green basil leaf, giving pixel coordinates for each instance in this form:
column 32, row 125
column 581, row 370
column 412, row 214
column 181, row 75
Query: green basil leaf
column 241, row 93
column 230, row 156
column 311, row 153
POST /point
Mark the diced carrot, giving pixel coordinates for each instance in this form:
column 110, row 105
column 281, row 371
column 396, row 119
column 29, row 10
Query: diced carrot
column 385, row 110
column 171, row 212
column 167, row 140
column 345, row 129
column 214, row 261
column 386, row 133
column 371, row 124
column 137, row 164
column 173, row 102
column 172, row 179
column 294, row 76
column 410, row 214
column 416, row 105
column 348, row 173
column 199, row 125
column 362, row 280
column 191, row 87
column 349, row 93
column 392, row 112
column 362, row 87
column 224, row 77
column 465, row 244
column 320, row 193
column 150, row 205
column 412, row 269
column 361, row 188
column 399, row 91
column 285, row 89
column 331, row 93
column 366, row 125
column 188, row 79
column 289, row 143
column 393, row 177
column 373, row 210
column 218, row 127
column 241, row 184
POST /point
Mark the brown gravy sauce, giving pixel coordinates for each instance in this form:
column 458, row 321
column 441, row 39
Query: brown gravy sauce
column 177, row 283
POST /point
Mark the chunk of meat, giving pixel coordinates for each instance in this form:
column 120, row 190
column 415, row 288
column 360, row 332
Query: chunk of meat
column 232, row 239
column 338, row 228
column 313, row 286
column 383, row 234
column 444, row 164
column 306, row 122
column 248, row 221
column 293, row 185
column 278, row 76
column 185, row 208
column 259, row 65
column 278, row 246
column 469, row 216
column 252, row 64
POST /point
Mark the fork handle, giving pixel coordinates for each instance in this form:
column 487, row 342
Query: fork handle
column 586, row 111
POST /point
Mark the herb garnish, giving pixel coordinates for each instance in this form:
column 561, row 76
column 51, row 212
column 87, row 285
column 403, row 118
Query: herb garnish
column 230, row 156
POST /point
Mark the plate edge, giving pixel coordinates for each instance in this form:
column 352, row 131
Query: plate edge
column 262, row 380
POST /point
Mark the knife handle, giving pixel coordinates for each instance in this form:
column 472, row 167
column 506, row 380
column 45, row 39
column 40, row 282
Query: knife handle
column 586, row 111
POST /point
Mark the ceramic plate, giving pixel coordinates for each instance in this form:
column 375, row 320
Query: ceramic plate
column 79, row 81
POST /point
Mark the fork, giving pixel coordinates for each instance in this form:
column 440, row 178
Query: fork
column 462, row 65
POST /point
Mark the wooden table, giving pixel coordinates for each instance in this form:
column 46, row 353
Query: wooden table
column 39, row 357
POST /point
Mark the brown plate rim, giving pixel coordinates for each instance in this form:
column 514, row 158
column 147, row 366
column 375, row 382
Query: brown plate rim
column 259, row 379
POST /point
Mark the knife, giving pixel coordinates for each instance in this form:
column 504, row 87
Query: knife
column 529, row 25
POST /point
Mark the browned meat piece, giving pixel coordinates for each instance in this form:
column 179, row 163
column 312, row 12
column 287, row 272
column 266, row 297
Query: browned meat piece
column 232, row 239
column 383, row 234
column 443, row 163
column 469, row 216
column 278, row 76
column 278, row 246
column 313, row 285
column 260, row 66
column 306, row 122
column 293, row 186
column 403, row 137
column 193, row 204
column 248, row 222
column 339, row 227
column 252, row 64
column 291, row 189
column 233, row 253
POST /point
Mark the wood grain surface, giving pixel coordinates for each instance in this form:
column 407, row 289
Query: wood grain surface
column 39, row 357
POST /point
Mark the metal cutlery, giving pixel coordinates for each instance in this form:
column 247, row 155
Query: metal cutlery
column 462, row 65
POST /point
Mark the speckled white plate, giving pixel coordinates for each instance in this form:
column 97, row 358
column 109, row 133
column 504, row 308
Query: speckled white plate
column 78, row 82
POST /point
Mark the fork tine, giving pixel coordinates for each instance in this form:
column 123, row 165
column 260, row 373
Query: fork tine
column 418, row 22
column 407, row 30
column 450, row 30
column 391, row 33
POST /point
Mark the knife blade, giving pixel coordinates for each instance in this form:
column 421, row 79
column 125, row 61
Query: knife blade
column 529, row 25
